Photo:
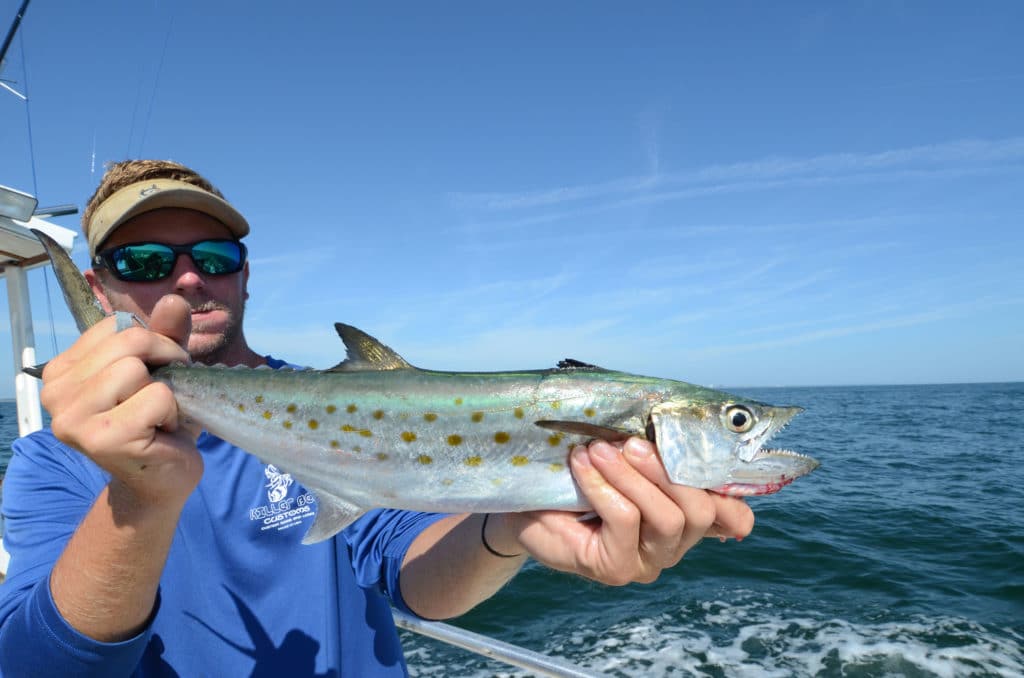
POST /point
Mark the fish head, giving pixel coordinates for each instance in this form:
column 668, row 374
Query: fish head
column 720, row 446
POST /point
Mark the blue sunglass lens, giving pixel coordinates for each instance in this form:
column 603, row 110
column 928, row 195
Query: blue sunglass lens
column 142, row 262
column 218, row 257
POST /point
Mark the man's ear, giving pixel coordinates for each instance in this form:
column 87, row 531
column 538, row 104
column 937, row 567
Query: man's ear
column 97, row 288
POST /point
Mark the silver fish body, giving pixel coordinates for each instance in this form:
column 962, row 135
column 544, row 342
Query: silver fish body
column 413, row 439
column 375, row 431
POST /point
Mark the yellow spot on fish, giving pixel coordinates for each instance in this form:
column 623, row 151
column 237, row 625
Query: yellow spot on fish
column 378, row 414
column 555, row 404
column 241, row 407
column 335, row 444
column 287, row 424
column 477, row 417
column 447, row 481
column 408, row 436
column 473, row 461
column 259, row 399
column 518, row 412
column 331, row 409
column 357, row 448
column 351, row 408
column 458, row 401
column 313, row 424
column 425, row 459
column 501, row 437
column 554, row 439
column 348, row 428
column 497, row 482
column 291, row 409
column 430, row 416
column 589, row 411
column 454, row 440
column 520, row 460
column 366, row 433
column 556, row 467
column 382, row 456
column 267, row 414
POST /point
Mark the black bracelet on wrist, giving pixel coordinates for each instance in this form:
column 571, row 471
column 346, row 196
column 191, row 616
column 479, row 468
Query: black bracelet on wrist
column 483, row 538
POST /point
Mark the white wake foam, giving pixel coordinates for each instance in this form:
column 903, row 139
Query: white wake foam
column 756, row 637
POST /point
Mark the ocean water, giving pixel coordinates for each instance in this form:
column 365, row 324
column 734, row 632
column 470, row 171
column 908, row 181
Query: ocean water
column 903, row 555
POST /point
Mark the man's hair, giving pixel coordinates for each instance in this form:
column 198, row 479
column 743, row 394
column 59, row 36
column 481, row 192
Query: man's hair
column 127, row 172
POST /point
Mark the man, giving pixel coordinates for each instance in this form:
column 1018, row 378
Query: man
column 139, row 546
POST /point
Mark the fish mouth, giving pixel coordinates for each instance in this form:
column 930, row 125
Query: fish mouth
column 767, row 473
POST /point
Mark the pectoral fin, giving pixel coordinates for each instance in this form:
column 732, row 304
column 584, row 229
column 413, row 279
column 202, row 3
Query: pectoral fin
column 332, row 516
column 582, row 428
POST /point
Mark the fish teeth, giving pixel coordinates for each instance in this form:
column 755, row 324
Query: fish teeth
column 778, row 452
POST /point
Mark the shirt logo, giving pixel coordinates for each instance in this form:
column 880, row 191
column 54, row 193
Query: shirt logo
column 281, row 511
column 146, row 191
column 278, row 485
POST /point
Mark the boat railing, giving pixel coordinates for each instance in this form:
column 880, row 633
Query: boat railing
column 538, row 663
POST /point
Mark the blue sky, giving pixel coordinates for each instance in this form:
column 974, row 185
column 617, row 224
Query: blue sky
column 726, row 193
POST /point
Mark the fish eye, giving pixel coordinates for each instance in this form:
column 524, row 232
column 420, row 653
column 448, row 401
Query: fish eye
column 739, row 419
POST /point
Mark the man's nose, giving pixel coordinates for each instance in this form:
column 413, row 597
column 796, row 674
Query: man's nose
column 185, row 274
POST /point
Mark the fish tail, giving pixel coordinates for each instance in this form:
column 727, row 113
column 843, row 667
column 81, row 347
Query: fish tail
column 83, row 304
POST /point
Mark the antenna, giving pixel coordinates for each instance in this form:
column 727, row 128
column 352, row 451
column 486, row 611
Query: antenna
column 11, row 32
column 7, row 45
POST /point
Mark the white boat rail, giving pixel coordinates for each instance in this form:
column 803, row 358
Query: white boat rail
column 21, row 251
column 540, row 664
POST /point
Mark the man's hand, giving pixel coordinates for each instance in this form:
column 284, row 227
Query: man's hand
column 647, row 523
column 104, row 403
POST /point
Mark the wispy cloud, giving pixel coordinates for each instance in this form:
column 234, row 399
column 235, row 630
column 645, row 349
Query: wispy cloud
column 298, row 261
column 936, row 314
column 953, row 158
column 517, row 346
column 554, row 196
column 505, row 301
column 726, row 187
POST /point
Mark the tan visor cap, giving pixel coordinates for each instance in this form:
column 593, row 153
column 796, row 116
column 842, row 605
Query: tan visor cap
column 144, row 196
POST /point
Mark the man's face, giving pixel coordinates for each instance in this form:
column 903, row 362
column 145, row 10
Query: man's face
column 217, row 301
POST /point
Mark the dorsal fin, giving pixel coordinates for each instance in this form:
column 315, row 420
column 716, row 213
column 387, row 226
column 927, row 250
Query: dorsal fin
column 365, row 352
column 573, row 364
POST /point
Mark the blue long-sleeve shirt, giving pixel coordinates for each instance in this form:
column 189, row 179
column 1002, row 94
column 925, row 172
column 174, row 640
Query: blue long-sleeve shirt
column 239, row 595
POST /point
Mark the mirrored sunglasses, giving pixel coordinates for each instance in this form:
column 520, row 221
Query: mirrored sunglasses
column 152, row 261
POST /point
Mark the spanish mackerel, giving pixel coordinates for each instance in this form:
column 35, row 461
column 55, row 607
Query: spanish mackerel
column 374, row 431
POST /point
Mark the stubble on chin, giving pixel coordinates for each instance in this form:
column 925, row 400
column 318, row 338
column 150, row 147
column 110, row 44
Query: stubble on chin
column 213, row 348
column 208, row 349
